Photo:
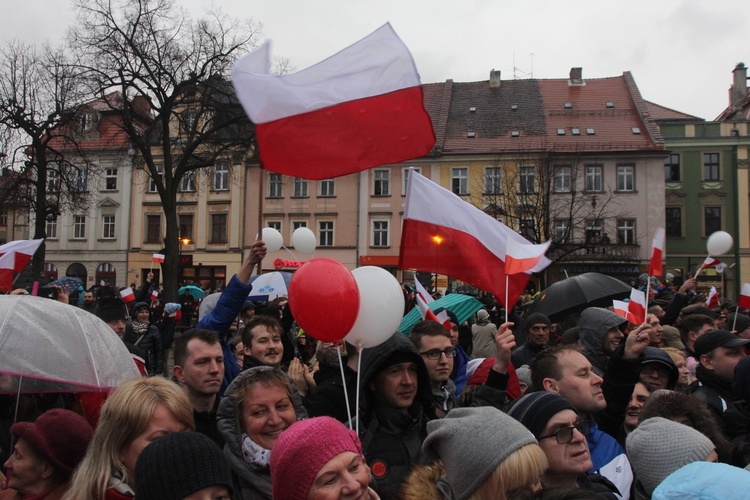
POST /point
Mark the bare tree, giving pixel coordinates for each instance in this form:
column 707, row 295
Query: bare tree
column 172, row 71
column 38, row 94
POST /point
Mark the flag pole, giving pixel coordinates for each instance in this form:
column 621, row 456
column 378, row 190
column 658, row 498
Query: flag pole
column 260, row 211
column 734, row 323
column 648, row 292
column 700, row 266
column 506, row 297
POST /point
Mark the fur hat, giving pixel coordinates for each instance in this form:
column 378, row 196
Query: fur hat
column 59, row 436
column 179, row 464
column 303, row 449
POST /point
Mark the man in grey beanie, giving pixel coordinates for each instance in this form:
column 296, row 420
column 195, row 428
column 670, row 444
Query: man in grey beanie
column 658, row 447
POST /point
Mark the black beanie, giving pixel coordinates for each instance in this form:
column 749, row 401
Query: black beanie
column 535, row 319
column 536, row 409
column 178, row 464
column 111, row 310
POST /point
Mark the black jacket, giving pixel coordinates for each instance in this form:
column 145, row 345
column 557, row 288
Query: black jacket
column 715, row 392
column 328, row 399
column 150, row 342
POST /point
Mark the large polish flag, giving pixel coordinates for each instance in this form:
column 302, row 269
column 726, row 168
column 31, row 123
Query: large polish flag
column 520, row 257
column 744, row 300
column 443, row 234
column 21, row 252
column 7, row 262
column 357, row 109
column 657, row 253
column 637, row 306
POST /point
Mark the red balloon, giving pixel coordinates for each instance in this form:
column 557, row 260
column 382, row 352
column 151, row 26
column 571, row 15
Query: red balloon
column 324, row 298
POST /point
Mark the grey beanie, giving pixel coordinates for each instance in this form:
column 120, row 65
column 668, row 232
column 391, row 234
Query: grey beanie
column 535, row 319
column 524, row 374
column 471, row 443
column 658, row 447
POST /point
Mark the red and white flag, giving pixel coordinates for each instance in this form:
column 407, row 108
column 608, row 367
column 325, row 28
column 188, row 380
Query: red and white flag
column 657, row 253
column 444, row 234
column 441, row 317
column 127, row 295
column 7, row 262
column 102, row 283
column 621, row 309
column 154, row 295
column 360, row 108
column 744, row 300
column 710, row 262
column 157, row 257
column 21, row 252
column 713, row 298
column 522, row 257
column 637, row 306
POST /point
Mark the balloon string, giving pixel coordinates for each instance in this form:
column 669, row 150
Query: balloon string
column 346, row 393
column 359, row 370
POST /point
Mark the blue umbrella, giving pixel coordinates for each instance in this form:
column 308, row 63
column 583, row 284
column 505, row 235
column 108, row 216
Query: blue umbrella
column 463, row 306
column 195, row 291
column 70, row 281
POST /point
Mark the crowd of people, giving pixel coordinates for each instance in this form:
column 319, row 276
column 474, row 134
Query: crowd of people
column 252, row 407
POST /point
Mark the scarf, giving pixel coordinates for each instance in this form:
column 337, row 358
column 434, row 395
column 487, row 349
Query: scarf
column 255, row 454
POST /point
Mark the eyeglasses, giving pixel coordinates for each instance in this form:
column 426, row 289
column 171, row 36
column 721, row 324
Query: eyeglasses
column 435, row 353
column 565, row 436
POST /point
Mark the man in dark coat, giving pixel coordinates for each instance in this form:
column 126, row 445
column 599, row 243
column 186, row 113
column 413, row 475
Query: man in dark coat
column 537, row 337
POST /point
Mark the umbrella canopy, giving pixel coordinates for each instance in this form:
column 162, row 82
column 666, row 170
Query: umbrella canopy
column 53, row 347
column 268, row 286
column 463, row 306
column 71, row 282
column 579, row 292
column 195, row 291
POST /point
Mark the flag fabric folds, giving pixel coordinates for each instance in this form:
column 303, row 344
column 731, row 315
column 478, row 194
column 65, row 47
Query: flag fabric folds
column 621, row 309
column 21, row 251
column 360, row 108
column 744, row 300
column 520, row 257
column 657, row 253
column 443, row 234
column 713, row 298
column 637, row 307
column 127, row 295
column 157, row 257
column 424, row 298
column 710, row 262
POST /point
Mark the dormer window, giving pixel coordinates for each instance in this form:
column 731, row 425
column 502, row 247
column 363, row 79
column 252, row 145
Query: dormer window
column 86, row 122
column 568, row 105
column 636, row 130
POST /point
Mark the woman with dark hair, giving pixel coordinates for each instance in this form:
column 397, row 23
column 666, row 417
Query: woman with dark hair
column 141, row 332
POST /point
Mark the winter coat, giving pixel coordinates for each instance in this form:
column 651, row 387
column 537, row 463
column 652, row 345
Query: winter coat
column 609, row 460
column 592, row 327
column 150, row 342
column 715, row 392
column 328, row 399
column 250, row 482
column 483, row 339
column 705, row 480
column 525, row 354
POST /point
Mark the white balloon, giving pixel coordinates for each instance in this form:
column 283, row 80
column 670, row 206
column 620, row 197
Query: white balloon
column 303, row 240
column 719, row 243
column 381, row 307
column 272, row 239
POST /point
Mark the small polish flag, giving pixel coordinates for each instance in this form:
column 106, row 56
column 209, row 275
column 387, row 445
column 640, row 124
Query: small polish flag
column 102, row 283
column 621, row 309
column 422, row 292
column 710, row 262
column 429, row 314
column 157, row 257
column 744, row 300
column 520, row 257
column 154, row 295
column 127, row 295
column 637, row 306
column 713, row 298
column 657, row 253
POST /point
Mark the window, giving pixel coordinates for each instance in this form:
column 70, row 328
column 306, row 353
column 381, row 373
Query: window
column 85, row 122
column 625, row 178
column 562, row 231
column 493, row 180
column 275, row 224
column 51, row 228
column 527, row 179
column 325, row 233
column 152, row 183
column 218, row 228
column 380, row 233
column 82, row 184
column 626, row 232
column 3, row 218
column 108, row 227
column 711, row 220
column 563, row 176
column 674, row 222
column 593, row 231
column 326, row 188
column 381, row 183
column 298, row 224
column 221, row 176
column 187, row 183
column 186, row 225
column 110, row 179
column 300, row 188
column 274, row 185
column 53, row 181
column 405, row 178
column 189, row 118
column 153, row 228
column 79, row 226
column 672, row 168
column 527, row 228
column 460, row 180
column 594, row 179
column 711, row 167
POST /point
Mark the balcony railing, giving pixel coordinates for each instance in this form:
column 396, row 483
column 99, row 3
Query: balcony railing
column 595, row 252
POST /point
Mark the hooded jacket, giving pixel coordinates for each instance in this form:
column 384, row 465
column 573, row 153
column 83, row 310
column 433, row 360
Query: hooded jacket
column 250, row 482
column 656, row 355
column 593, row 325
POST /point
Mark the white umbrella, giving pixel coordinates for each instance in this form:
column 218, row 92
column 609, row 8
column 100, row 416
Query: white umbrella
column 268, row 286
column 53, row 347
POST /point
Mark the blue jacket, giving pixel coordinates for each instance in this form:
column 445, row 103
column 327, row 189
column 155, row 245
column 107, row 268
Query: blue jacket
column 609, row 459
column 705, row 480
column 221, row 318
column 461, row 360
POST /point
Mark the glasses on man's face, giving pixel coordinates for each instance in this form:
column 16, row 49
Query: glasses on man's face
column 565, row 436
column 435, row 353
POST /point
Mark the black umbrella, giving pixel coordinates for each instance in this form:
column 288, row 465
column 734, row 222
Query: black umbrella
column 579, row 292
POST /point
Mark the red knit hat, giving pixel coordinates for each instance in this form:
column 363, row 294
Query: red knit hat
column 303, row 449
column 60, row 436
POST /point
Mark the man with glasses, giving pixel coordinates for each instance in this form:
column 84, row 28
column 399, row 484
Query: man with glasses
column 438, row 352
column 561, row 433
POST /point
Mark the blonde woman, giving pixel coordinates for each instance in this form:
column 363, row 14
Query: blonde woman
column 481, row 454
column 680, row 360
column 138, row 412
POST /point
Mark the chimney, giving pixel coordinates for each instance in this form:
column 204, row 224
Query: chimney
column 576, row 76
column 739, row 85
column 495, row 79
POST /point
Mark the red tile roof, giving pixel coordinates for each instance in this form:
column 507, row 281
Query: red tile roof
column 663, row 113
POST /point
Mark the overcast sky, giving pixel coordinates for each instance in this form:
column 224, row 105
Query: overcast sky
column 681, row 52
